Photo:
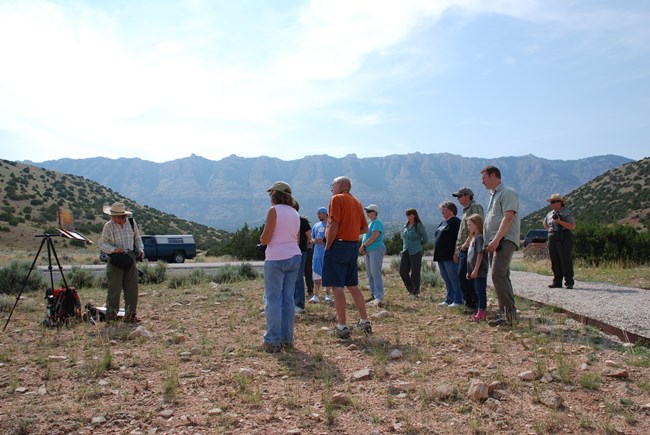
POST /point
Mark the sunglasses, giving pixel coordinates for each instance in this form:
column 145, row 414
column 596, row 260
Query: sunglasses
column 555, row 201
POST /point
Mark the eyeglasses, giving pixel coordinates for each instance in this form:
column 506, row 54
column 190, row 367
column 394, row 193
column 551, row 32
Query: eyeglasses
column 555, row 201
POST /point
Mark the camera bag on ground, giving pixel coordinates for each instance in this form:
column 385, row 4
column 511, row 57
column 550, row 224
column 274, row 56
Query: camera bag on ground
column 122, row 261
column 62, row 304
column 95, row 314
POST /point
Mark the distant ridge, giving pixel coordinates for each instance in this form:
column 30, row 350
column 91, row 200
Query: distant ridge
column 230, row 192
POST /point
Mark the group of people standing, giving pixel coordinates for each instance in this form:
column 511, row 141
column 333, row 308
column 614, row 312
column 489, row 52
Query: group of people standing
column 466, row 249
column 463, row 248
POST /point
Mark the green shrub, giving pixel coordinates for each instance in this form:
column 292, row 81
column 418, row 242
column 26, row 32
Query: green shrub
column 394, row 244
column 6, row 304
column 177, row 281
column 153, row 275
column 198, row 276
column 102, row 281
column 231, row 273
column 430, row 274
column 247, row 271
column 79, row 277
column 242, row 245
column 12, row 278
column 598, row 243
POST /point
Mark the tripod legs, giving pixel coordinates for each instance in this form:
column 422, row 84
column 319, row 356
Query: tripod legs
column 47, row 238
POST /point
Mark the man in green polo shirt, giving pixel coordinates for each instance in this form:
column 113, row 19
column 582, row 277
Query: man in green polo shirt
column 501, row 233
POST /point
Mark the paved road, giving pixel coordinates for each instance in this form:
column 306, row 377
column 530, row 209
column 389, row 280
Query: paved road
column 619, row 306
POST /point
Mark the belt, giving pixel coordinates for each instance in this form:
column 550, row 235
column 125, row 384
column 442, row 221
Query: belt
column 346, row 241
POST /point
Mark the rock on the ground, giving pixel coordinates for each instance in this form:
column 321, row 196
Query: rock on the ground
column 528, row 375
column 478, row 390
column 362, row 375
column 341, row 399
column 616, row 373
column 551, row 399
column 140, row 331
column 446, row 391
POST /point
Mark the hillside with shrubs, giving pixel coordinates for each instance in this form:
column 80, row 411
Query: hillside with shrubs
column 612, row 214
column 620, row 195
column 32, row 197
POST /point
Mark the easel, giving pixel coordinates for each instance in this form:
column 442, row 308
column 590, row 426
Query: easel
column 47, row 239
column 66, row 229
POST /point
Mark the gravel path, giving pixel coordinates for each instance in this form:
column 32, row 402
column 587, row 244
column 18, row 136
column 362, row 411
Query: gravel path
column 623, row 307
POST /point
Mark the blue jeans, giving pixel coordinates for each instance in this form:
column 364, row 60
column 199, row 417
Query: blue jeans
column 467, row 286
column 299, row 291
column 374, row 260
column 480, row 288
column 279, row 285
column 449, row 273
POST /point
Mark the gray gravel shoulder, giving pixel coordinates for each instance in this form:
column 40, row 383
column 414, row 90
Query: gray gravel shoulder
column 620, row 306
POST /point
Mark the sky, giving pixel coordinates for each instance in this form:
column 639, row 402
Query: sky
column 162, row 80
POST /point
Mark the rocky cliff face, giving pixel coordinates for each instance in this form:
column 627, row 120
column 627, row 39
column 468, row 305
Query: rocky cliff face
column 227, row 193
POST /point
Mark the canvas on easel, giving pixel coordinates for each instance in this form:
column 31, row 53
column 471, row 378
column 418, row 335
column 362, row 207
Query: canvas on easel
column 66, row 226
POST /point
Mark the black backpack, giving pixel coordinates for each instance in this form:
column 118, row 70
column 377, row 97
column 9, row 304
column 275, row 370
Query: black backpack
column 63, row 304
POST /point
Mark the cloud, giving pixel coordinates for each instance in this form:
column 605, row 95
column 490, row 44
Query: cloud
column 96, row 79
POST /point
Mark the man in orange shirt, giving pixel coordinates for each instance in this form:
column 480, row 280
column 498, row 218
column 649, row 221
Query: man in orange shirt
column 345, row 224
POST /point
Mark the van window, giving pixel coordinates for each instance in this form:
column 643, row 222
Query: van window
column 174, row 239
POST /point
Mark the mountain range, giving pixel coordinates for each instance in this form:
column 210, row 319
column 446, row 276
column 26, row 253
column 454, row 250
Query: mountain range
column 229, row 192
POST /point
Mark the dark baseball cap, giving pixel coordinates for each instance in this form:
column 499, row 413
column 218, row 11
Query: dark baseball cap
column 462, row 192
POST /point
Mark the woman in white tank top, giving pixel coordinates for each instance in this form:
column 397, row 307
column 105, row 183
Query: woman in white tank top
column 282, row 261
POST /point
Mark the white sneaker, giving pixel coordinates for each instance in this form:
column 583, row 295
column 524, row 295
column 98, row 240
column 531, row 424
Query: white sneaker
column 314, row 299
column 328, row 298
column 298, row 310
column 454, row 304
column 442, row 304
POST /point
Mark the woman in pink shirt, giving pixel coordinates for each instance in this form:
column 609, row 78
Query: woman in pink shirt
column 281, row 264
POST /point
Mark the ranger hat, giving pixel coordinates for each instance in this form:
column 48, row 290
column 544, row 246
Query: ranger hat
column 117, row 209
column 280, row 186
column 556, row 197
column 462, row 192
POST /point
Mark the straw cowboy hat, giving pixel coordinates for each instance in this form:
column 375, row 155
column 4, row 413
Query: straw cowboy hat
column 556, row 197
column 117, row 209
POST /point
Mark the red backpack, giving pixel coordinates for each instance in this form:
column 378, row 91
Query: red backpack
column 63, row 304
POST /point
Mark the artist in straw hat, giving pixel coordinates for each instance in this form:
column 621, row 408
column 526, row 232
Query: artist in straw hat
column 121, row 236
column 560, row 225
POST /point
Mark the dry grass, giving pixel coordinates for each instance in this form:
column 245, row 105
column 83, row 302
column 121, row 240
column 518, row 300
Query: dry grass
column 613, row 273
column 188, row 377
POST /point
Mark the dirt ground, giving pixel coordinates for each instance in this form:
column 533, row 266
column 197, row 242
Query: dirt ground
column 199, row 367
